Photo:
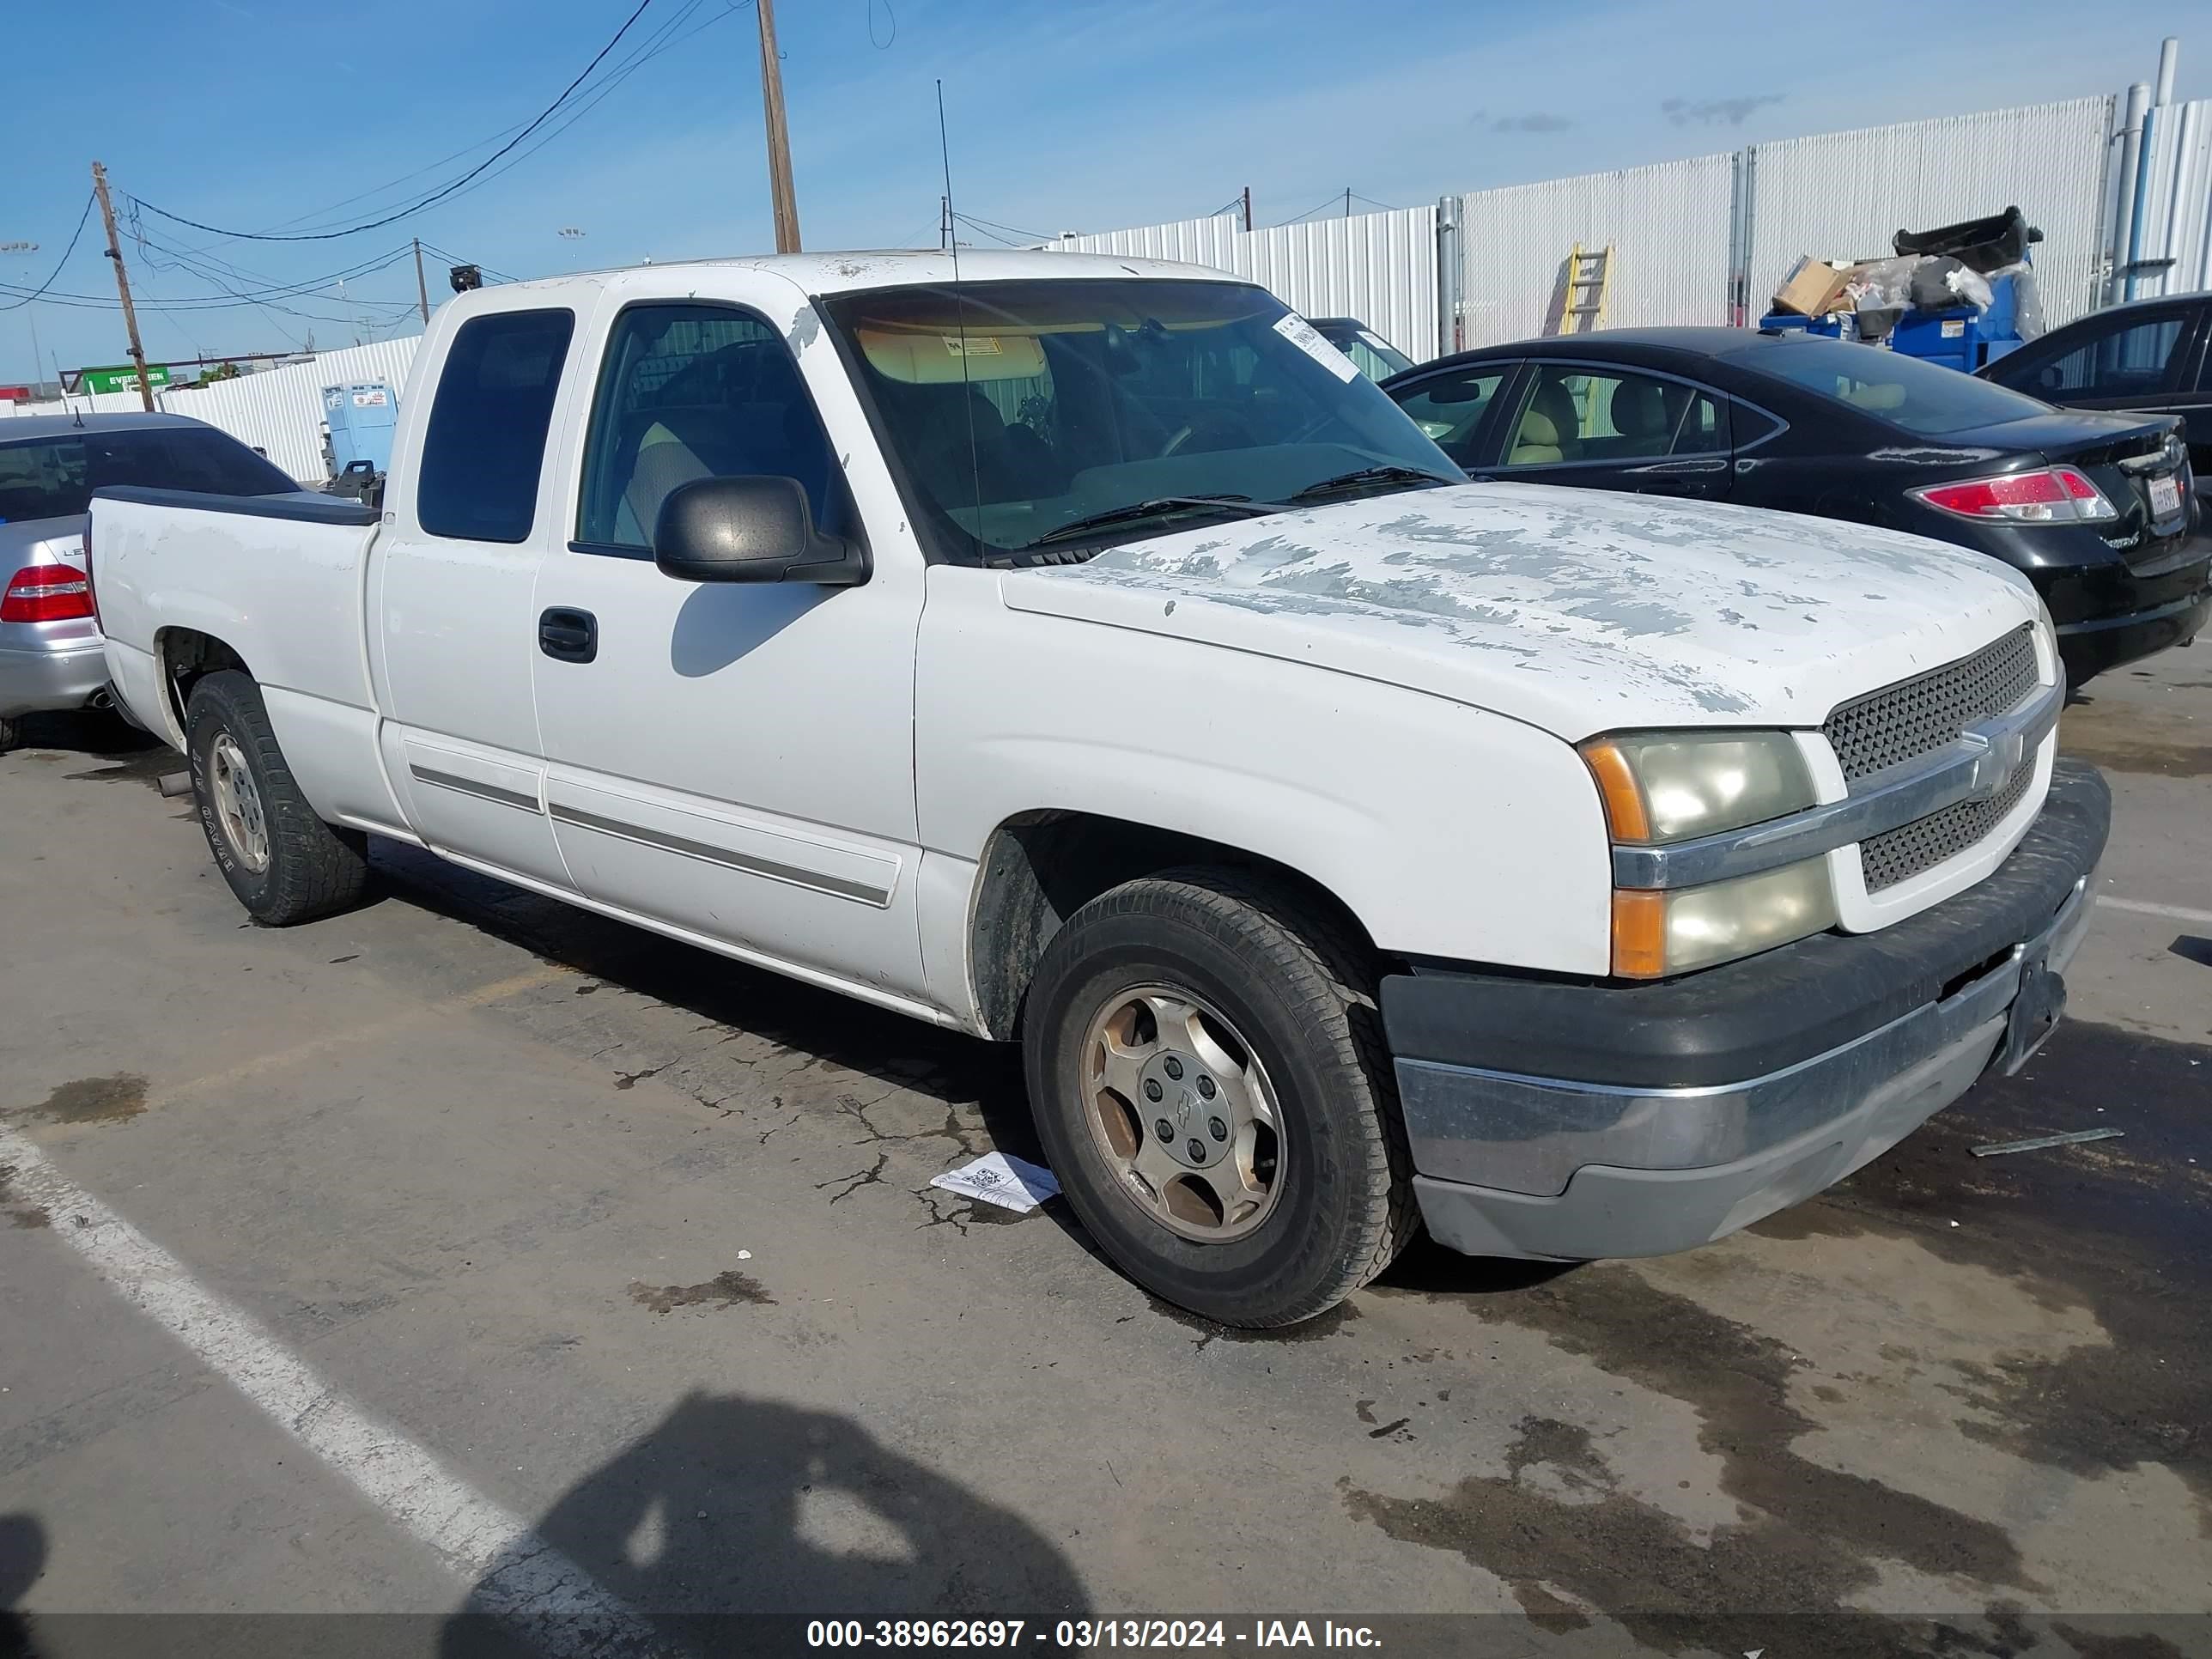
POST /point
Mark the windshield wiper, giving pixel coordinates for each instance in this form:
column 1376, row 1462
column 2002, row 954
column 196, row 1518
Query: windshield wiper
column 1243, row 506
column 1389, row 474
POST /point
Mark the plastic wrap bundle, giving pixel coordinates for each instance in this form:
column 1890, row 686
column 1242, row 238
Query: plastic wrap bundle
column 2026, row 298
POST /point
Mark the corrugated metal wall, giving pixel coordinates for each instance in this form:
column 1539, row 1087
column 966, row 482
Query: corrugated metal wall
column 1192, row 241
column 281, row 410
column 1843, row 195
column 2178, row 201
column 1379, row 267
column 1668, row 226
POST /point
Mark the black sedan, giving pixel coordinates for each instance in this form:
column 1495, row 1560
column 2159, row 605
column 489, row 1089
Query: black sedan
column 2154, row 356
column 2098, row 510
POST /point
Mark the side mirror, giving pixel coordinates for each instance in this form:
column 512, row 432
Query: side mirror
column 749, row 530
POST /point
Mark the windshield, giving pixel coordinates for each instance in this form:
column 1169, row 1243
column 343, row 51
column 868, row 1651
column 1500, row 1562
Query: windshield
column 1015, row 410
column 1905, row 391
column 54, row 477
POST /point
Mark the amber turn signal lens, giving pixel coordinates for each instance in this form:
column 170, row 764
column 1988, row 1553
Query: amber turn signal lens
column 1639, row 934
column 1616, row 785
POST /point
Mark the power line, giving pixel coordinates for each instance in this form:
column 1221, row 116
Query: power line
column 1372, row 202
column 988, row 226
column 435, row 196
column 1308, row 212
column 54, row 275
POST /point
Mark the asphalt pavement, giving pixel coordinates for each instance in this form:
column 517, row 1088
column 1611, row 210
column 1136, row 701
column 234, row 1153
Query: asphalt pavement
column 470, row 1270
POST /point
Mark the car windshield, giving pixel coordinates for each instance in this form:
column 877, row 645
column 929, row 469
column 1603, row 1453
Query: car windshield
column 1904, row 392
column 1018, row 412
column 53, row 477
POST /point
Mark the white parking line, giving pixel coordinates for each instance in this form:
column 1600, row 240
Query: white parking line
column 518, row 1577
column 2144, row 908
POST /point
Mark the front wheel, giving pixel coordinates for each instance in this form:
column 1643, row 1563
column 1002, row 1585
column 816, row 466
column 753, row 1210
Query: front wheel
column 1214, row 1096
column 284, row 864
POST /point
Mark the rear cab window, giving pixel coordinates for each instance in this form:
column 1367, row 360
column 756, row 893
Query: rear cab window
column 1899, row 391
column 485, row 445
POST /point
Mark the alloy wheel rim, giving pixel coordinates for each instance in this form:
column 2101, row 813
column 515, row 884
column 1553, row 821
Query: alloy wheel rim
column 238, row 803
column 1182, row 1111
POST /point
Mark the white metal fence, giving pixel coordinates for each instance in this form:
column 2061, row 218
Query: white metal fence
column 1692, row 240
column 279, row 412
column 1379, row 267
column 1668, row 226
column 1843, row 195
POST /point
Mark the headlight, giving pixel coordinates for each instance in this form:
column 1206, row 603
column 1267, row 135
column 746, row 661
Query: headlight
column 1657, row 934
column 1674, row 786
column 1665, row 786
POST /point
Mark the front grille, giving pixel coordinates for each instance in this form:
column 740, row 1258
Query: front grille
column 1918, row 716
column 1903, row 854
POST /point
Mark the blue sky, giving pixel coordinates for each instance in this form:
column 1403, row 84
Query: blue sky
column 1066, row 115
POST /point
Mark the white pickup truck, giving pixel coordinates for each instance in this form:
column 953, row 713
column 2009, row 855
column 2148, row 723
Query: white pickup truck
column 1077, row 651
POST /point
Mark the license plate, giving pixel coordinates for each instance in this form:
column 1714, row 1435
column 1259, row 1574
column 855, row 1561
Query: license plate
column 2164, row 495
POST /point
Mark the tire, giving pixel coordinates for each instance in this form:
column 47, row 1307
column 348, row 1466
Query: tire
column 1292, row 991
column 304, row 868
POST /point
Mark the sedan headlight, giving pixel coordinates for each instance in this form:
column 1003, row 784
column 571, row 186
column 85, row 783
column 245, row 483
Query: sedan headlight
column 1665, row 786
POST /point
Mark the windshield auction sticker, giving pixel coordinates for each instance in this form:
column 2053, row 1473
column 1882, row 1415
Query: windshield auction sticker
column 1300, row 333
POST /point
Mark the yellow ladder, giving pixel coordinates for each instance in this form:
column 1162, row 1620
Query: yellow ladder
column 1589, row 280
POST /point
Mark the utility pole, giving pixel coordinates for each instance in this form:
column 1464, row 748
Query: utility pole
column 1248, row 209
column 123, row 287
column 778, row 141
column 944, row 223
column 421, row 289
column 1347, row 201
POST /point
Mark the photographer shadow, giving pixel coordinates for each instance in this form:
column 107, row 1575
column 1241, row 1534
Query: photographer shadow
column 734, row 1521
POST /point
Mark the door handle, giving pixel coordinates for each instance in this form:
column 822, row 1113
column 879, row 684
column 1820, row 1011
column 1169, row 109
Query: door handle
column 568, row 636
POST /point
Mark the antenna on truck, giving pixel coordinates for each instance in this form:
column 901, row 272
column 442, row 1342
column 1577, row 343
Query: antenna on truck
column 960, row 319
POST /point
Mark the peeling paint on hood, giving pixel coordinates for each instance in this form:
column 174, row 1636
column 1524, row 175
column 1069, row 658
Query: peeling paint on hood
column 1578, row 611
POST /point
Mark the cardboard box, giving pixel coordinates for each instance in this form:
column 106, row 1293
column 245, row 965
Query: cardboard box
column 1811, row 289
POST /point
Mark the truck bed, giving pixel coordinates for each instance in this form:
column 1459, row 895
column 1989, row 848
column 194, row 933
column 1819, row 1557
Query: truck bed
column 279, row 579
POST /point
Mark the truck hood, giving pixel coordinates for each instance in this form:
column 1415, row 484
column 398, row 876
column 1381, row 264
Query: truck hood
column 1575, row 611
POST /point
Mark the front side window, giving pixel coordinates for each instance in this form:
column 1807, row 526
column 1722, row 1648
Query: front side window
column 485, row 445
column 1448, row 407
column 690, row 392
column 1019, row 413
column 54, row 477
column 1571, row 414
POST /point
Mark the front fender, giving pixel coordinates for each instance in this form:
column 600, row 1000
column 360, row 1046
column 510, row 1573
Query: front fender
column 1449, row 832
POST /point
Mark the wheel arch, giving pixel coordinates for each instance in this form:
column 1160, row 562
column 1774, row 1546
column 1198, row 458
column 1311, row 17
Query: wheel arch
column 186, row 656
column 1039, row 867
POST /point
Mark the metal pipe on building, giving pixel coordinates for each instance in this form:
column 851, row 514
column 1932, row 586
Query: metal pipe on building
column 2125, row 202
column 2169, row 55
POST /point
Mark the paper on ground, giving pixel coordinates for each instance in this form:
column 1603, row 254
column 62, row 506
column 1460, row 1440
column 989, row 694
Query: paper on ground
column 1006, row 1181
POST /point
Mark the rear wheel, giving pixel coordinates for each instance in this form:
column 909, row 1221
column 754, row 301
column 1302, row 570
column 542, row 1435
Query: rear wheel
column 284, row 864
column 1212, row 1092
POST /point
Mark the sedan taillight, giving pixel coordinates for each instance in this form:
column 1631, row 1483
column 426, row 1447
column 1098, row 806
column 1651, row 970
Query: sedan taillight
column 46, row 592
column 2053, row 494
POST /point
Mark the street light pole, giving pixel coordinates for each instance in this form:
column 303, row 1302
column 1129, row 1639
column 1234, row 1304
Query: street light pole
column 30, row 309
column 785, row 201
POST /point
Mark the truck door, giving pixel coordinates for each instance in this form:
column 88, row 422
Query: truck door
column 731, row 760
column 453, row 636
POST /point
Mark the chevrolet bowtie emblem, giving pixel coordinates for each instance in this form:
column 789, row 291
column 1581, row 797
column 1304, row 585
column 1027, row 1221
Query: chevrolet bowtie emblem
column 2001, row 753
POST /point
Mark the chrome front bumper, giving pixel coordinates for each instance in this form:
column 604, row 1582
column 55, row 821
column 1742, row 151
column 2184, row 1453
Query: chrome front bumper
column 1517, row 1165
